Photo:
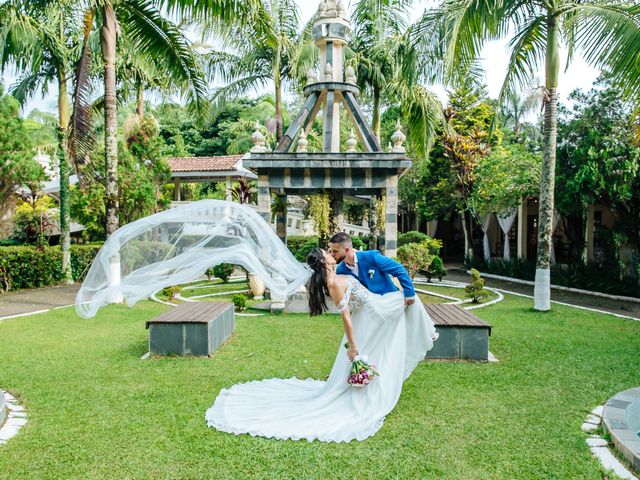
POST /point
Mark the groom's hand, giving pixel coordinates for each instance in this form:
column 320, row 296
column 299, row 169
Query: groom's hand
column 409, row 301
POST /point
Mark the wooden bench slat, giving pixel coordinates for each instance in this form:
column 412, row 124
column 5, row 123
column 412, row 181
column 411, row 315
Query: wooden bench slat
column 192, row 312
column 453, row 315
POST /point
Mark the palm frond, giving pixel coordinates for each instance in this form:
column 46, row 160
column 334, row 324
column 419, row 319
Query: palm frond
column 608, row 34
column 527, row 54
column 162, row 41
column 31, row 82
column 81, row 124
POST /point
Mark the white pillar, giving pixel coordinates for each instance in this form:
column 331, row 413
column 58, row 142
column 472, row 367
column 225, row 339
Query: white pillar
column 228, row 196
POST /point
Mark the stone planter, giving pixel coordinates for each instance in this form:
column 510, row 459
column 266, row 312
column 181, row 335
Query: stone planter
column 257, row 287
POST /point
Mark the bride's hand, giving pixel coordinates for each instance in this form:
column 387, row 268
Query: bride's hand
column 352, row 352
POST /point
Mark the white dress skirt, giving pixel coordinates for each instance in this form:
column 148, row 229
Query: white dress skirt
column 394, row 338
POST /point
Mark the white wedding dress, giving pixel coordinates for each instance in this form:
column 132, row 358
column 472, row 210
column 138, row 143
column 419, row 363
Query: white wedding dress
column 393, row 337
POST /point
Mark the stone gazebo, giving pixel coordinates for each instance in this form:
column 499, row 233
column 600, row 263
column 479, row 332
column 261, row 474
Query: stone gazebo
column 296, row 171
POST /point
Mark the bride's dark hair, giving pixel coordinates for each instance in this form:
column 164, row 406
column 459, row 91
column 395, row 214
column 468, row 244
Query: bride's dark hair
column 317, row 286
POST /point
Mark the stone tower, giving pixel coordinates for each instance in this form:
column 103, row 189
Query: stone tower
column 369, row 172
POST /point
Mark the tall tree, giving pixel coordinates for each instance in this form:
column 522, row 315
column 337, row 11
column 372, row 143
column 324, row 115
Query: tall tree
column 386, row 63
column 41, row 39
column 607, row 32
column 17, row 166
column 155, row 39
column 271, row 49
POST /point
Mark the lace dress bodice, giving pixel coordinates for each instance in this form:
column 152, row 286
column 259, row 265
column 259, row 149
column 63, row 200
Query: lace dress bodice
column 355, row 296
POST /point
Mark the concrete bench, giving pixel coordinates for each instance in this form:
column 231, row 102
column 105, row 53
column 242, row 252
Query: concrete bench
column 462, row 334
column 193, row 328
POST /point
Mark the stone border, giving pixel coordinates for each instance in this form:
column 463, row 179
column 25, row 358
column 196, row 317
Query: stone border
column 615, row 422
column 16, row 418
column 3, row 408
column 452, row 284
column 600, row 447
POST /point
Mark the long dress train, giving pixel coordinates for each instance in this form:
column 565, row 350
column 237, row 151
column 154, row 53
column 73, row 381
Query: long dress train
column 393, row 337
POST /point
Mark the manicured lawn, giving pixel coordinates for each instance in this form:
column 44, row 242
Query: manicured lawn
column 97, row 411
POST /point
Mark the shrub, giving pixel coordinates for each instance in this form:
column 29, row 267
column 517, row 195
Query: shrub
column 223, row 271
column 414, row 257
column 209, row 273
column 475, row 290
column 436, row 269
column 359, row 243
column 239, row 302
column 411, row 237
column 305, row 249
column 33, row 267
column 136, row 253
column 171, row 292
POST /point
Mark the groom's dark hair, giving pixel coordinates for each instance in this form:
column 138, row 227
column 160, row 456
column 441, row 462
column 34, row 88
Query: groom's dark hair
column 341, row 238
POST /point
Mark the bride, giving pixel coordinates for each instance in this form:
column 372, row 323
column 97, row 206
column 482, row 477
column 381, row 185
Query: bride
column 393, row 337
column 176, row 246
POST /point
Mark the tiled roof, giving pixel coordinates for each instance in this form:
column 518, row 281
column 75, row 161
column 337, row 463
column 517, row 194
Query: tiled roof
column 203, row 164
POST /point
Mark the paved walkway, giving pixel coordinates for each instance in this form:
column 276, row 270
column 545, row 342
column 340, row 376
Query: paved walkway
column 632, row 309
column 34, row 300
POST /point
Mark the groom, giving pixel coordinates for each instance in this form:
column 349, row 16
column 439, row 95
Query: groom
column 371, row 268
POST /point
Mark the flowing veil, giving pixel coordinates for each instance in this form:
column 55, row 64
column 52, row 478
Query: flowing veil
column 178, row 245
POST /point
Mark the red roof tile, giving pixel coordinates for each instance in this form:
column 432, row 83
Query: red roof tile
column 203, row 164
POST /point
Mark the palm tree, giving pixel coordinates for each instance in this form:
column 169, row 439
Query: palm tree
column 377, row 27
column 270, row 50
column 607, row 32
column 41, row 40
column 156, row 40
column 387, row 63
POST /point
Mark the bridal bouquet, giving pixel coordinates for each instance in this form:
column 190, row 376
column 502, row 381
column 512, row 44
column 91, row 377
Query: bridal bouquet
column 362, row 372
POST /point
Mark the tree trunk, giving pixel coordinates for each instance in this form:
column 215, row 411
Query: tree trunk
column 108, row 36
column 542, row 289
column 465, row 231
column 140, row 99
column 63, row 166
column 375, row 122
column 279, row 125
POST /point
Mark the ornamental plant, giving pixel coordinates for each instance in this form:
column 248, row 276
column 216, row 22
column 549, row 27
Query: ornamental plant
column 223, row 271
column 415, row 257
column 239, row 302
column 475, row 290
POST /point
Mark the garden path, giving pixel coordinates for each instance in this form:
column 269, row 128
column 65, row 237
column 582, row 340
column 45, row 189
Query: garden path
column 35, row 300
column 456, row 272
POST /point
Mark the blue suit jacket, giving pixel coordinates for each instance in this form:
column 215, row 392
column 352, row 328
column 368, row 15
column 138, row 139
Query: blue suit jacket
column 374, row 270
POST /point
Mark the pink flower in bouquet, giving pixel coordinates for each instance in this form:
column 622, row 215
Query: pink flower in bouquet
column 361, row 373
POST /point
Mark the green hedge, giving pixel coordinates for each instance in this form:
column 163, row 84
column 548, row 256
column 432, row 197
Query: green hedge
column 32, row 267
column 587, row 276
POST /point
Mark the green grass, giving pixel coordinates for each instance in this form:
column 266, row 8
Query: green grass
column 97, row 411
